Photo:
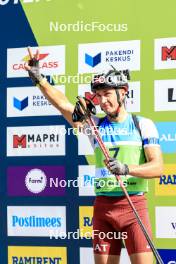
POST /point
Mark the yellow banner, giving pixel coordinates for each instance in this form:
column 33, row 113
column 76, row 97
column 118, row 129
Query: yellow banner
column 32, row 255
column 166, row 184
column 85, row 221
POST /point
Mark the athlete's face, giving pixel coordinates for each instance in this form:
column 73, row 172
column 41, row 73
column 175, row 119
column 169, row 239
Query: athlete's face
column 108, row 99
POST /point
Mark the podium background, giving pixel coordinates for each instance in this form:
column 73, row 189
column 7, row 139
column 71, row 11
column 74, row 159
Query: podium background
column 27, row 24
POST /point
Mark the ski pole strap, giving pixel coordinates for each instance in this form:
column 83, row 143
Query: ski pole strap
column 83, row 109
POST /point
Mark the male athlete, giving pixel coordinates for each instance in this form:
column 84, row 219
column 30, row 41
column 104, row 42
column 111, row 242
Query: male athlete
column 134, row 148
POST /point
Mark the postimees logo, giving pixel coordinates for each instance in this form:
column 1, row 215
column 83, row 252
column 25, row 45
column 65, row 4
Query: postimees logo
column 15, row 2
column 34, row 221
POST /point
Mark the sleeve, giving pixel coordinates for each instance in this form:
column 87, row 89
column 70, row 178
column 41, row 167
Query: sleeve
column 150, row 136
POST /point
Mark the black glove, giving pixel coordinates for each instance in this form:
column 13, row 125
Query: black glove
column 116, row 167
column 34, row 72
column 82, row 109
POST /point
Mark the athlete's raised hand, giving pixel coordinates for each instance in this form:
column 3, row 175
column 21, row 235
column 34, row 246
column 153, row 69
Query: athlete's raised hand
column 82, row 109
column 33, row 67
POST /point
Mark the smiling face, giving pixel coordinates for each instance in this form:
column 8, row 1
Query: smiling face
column 107, row 99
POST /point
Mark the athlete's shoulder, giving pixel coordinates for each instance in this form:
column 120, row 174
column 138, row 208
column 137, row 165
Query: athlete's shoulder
column 149, row 131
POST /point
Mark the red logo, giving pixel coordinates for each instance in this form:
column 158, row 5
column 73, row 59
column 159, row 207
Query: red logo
column 41, row 57
column 43, row 65
column 19, row 141
column 91, row 97
column 168, row 53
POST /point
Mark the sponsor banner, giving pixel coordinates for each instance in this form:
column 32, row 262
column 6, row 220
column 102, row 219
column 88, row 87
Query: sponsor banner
column 165, row 221
column 165, row 95
column 88, row 252
column 84, row 145
column 36, row 141
column 86, row 180
column 52, row 60
column 168, row 255
column 42, row 255
column 132, row 99
column 165, row 53
column 167, row 134
column 166, row 184
column 85, row 221
column 36, row 181
column 29, row 101
column 36, row 221
column 96, row 57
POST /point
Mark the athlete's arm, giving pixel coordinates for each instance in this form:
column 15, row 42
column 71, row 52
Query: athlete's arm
column 152, row 168
column 60, row 101
column 56, row 98
column 154, row 162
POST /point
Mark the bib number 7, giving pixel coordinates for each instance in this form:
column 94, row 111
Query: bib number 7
column 115, row 150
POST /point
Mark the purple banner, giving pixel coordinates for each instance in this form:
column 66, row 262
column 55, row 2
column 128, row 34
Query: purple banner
column 36, row 181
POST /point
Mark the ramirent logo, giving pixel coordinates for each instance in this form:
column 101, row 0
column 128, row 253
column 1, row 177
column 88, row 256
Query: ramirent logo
column 5, row 2
column 36, row 260
column 37, row 255
column 87, row 221
column 34, row 221
column 170, row 179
